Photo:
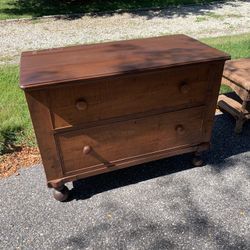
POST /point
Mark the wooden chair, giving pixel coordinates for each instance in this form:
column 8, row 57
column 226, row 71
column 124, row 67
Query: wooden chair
column 236, row 75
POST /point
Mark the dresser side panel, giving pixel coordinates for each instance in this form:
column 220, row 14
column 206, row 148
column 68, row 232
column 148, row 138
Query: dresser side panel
column 41, row 119
column 215, row 76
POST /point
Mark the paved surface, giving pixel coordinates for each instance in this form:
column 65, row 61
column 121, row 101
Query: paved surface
column 197, row 21
column 166, row 204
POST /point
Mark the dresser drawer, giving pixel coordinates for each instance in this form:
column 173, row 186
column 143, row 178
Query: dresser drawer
column 116, row 97
column 112, row 145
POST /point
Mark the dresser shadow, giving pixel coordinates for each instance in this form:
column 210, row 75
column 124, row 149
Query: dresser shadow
column 225, row 143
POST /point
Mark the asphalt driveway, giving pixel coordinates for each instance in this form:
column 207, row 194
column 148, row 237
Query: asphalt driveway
column 165, row 204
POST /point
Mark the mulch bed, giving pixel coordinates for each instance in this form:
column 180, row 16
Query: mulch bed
column 12, row 162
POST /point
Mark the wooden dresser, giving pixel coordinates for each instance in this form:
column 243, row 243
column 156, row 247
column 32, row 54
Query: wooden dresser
column 98, row 108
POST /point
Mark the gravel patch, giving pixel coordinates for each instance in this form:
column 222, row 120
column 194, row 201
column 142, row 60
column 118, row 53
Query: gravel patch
column 197, row 21
column 165, row 204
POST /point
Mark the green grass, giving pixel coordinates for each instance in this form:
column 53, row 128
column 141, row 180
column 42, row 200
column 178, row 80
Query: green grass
column 36, row 8
column 200, row 19
column 8, row 10
column 15, row 123
column 237, row 46
column 209, row 15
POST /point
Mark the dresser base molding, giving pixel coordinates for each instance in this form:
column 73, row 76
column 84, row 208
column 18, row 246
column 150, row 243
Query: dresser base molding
column 196, row 149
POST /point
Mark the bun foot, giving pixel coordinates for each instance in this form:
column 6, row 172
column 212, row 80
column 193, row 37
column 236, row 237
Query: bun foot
column 61, row 194
column 197, row 160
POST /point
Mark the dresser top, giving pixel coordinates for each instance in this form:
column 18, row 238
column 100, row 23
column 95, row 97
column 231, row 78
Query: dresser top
column 54, row 66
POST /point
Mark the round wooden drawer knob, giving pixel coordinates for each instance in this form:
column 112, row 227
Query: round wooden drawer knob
column 87, row 149
column 180, row 129
column 81, row 105
column 184, row 88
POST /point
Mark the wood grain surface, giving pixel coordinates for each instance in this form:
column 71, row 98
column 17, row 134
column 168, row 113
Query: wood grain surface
column 55, row 66
column 98, row 108
column 167, row 89
column 113, row 144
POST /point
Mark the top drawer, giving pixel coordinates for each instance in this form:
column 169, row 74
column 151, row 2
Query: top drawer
column 168, row 89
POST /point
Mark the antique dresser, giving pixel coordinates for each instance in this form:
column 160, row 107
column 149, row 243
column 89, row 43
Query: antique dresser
column 98, row 108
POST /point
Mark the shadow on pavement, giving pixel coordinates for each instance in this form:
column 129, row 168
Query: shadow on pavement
column 225, row 143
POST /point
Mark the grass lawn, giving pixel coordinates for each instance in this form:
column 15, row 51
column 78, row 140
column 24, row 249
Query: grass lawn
column 237, row 46
column 35, row 8
column 15, row 124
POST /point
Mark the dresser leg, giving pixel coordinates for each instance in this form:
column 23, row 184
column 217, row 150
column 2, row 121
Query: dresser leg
column 241, row 118
column 197, row 159
column 61, row 193
column 238, row 126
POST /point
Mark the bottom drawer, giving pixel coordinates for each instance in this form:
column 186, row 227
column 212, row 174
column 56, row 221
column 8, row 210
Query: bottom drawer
column 111, row 145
